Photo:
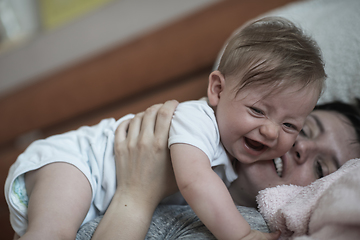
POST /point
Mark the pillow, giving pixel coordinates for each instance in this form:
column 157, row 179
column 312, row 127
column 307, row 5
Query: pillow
column 335, row 26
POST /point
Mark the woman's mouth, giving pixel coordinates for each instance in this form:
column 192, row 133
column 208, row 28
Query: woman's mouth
column 278, row 166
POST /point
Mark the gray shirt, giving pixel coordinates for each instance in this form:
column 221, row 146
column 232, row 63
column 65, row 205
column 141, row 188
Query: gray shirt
column 179, row 222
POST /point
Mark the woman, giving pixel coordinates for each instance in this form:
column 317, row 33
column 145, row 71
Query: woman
column 321, row 148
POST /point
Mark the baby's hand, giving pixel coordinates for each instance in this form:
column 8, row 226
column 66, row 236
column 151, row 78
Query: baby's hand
column 257, row 235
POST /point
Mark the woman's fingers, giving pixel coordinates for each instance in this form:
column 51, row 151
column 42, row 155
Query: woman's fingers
column 154, row 121
column 164, row 116
column 149, row 119
column 142, row 157
column 120, row 137
column 156, row 124
column 135, row 127
column 122, row 130
column 153, row 124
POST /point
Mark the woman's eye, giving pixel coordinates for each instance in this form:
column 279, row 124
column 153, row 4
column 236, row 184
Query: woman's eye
column 305, row 131
column 302, row 132
column 257, row 111
column 319, row 169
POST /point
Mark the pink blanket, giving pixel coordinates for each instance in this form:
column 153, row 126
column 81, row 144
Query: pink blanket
column 329, row 208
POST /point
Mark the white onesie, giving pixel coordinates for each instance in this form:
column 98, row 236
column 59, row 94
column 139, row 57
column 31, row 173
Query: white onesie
column 91, row 150
column 194, row 123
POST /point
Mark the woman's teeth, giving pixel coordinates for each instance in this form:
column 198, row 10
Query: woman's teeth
column 279, row 166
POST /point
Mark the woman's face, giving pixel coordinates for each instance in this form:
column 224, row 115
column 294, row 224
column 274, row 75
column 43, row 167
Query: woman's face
column 325, row 144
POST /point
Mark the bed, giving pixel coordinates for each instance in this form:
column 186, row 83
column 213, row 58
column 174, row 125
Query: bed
column 35, row 111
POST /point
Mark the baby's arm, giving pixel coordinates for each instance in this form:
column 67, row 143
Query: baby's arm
column 206, row 193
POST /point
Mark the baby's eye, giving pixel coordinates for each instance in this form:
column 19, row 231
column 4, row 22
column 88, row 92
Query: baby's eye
column 256, row 111
column 289, row 125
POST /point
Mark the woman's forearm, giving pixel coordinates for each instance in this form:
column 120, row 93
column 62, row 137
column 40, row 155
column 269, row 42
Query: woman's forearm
column 126, row 218
column 144, row 173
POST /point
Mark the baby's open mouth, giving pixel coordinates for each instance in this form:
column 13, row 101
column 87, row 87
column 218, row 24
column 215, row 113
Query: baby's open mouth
column 255, row 145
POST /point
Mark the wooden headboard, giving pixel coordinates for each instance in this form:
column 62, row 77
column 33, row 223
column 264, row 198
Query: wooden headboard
column 170, row 63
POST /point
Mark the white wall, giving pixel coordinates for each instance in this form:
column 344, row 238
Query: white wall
column 115, row 23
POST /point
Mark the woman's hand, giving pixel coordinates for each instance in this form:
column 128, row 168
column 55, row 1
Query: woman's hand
column 144, row 173
column 143, row 164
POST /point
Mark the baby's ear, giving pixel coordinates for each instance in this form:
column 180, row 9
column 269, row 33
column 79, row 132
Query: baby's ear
column 215, row 87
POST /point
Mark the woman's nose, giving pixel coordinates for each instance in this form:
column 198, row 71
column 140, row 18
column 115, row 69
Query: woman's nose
column 270, row 131
column 302, row 149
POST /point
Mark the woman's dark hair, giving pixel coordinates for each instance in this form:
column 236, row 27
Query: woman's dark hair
column 350, row 111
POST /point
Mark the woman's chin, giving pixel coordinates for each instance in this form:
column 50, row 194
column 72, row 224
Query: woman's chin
column 260, row 174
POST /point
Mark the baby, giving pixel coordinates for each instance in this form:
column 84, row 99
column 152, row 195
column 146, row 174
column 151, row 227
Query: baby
column 269, row 79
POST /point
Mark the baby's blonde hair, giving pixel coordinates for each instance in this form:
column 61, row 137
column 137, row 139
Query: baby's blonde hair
column 273, row 51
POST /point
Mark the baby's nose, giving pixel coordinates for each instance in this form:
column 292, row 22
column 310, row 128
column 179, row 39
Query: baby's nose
column 270, row 131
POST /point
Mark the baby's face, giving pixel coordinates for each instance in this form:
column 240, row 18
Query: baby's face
column 257, row 123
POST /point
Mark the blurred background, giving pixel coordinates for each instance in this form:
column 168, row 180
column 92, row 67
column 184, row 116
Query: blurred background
column 61, row 59
column 42, row 36
column 69, row 63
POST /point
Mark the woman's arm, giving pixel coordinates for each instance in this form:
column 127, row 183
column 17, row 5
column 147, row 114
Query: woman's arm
column 144, row 174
